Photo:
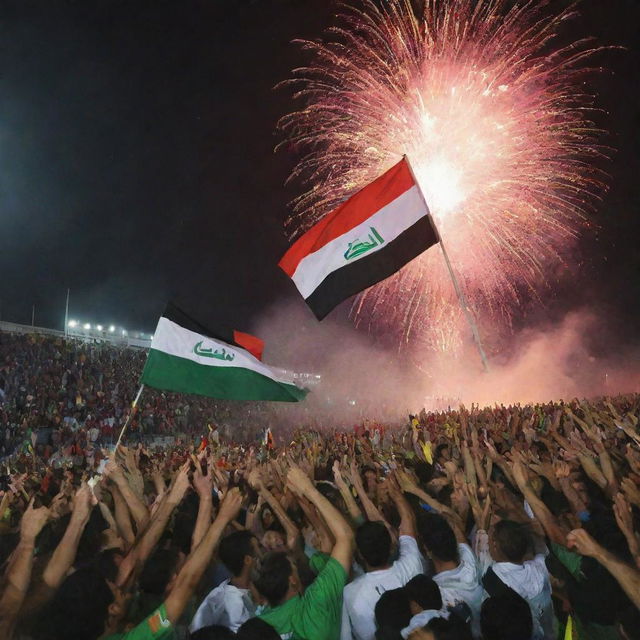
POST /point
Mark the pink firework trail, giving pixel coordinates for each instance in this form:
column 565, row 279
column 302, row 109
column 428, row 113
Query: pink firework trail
column 495, row 119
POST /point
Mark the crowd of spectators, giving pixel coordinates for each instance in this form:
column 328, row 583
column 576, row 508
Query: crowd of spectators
column 67, row 397
column 495, row 523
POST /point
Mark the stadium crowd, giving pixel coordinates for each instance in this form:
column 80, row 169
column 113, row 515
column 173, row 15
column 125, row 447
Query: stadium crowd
column 500, row 523
column 67, row 397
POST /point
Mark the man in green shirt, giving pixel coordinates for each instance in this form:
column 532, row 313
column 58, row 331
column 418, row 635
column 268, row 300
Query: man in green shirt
column 316, row 613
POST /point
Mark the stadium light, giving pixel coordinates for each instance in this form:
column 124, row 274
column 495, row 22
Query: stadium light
column 124, row 332
column 73, row 323
column 99, row 327
column 112, row 329
column 87, row 326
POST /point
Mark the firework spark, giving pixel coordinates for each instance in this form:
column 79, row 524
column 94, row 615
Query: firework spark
column 495, row 118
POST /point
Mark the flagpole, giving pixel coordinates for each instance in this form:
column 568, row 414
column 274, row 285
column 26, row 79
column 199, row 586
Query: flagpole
column 456, row 285
column 66, row 315
column 133, row 410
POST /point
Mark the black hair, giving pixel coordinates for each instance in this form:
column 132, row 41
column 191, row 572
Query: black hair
column 91, row 538
column 603, row 528
column 184, row 523
column 506, row 616
column 212, row 632
column 257, row 629
column 424, row 471
column 438, row 537
column 233, row 550
column 451, row 629
column 392, row 610
column 272, row 579
column 79, row 608
column 105, row 564
column 387, row 633
column 374, row 543
column 425, row 592
column 554, row 500
column 158, row 570
column 513, row 539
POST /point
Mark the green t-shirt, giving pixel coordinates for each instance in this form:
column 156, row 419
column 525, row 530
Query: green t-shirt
column 571, row 560
column 155, row 627
column 317, row 614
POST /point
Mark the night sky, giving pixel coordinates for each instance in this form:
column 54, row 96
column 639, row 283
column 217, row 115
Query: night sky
column 137, row 159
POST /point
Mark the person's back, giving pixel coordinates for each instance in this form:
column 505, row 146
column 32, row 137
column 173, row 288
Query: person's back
column 312, row 614
column 230, row 604
column 373, row 543
column 455, row 567
column 506, row 616
column 509, row 544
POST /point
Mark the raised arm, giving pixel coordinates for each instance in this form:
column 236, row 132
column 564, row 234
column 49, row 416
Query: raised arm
column 407, row 525
column 255, row 480
column 540, row 510
column 347, row 496
column 409, row 485
column 203, row 484
column 136, row 506
column 342, row 551
column 18, row 574
column 372, row 512
column 64, row 555
column 149, row 539
column 628, row 577
column 191, row 573
column 122, row 515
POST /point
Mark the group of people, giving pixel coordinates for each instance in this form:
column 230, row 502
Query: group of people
column 70, row 397
column 496, row 523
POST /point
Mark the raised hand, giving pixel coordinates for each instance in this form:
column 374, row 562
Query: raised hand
column 298, row 481
column 231, row 505
column 583, row 543
column 83, row 502
column 255, row 479
column 181, row 483
column 630, row 489
column 33, row 521
column 561, row 469
column 202, row 483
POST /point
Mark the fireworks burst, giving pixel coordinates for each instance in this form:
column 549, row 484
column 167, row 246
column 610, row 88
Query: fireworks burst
column 495, row 119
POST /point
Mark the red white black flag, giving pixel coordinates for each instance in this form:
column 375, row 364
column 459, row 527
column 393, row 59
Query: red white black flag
column 366, row 239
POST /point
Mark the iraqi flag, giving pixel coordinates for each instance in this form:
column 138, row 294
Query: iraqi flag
column 253, row 345
column 366, row 239
column 186, row 359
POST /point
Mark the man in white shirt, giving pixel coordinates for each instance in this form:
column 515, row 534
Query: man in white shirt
column 230, row 604
column 455, row 569
column 373, row 544
column 505, row 553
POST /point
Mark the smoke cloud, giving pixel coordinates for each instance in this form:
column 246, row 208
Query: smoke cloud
column 361, row 379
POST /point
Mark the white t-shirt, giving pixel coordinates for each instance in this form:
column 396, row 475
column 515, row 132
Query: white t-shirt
column 421, row 619
column 530, row 580
column 225, row 605
column 462, row 585
column 361, row 595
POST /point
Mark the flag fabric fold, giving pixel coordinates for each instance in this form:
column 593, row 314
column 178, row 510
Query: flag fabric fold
column 366, row 239
column 187, row 360
column 246, row 341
